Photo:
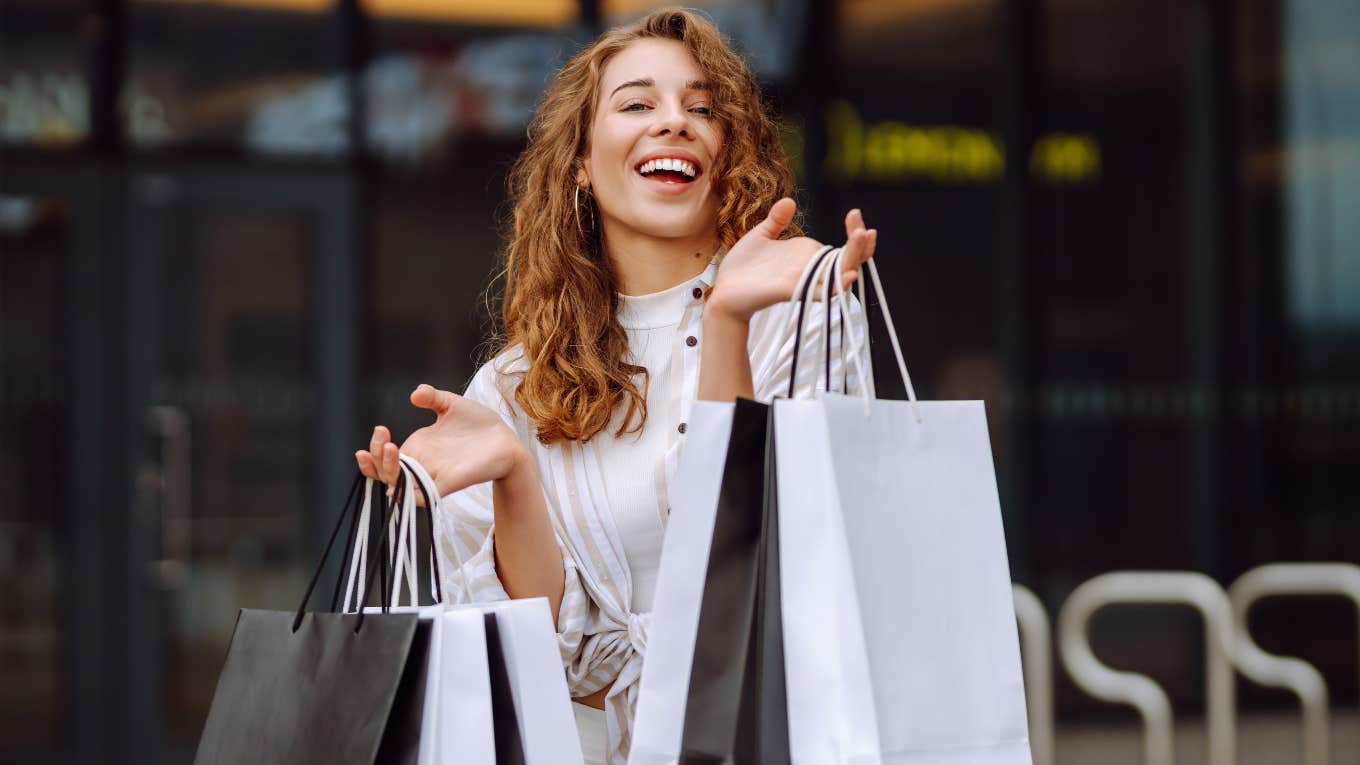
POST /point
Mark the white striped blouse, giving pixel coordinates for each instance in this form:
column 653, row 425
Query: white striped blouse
column 602, row 641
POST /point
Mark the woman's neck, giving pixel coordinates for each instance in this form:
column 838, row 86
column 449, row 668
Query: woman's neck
column 647, row 264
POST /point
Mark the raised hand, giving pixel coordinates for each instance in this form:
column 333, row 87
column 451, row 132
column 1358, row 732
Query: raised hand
column 761, row 269
column 467, row 444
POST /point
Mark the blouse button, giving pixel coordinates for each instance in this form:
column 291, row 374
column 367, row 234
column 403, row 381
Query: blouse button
column 681, row 428
column 691, row 341
column 697, row 293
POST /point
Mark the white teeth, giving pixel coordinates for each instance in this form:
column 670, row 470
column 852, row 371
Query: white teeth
column 666, row 163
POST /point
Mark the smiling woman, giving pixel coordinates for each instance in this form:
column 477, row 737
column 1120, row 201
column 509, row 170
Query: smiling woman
column 653, row 234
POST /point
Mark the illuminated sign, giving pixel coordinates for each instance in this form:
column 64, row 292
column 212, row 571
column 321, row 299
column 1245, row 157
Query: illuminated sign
column 886, row 152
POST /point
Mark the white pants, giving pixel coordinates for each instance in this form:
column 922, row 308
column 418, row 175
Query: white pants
column 590, row 726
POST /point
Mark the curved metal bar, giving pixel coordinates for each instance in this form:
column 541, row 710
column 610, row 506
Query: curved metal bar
column 1170, row 587
column 1035, row 641
column 1295, row 675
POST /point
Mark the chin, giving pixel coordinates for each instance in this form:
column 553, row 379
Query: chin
column 674, row 224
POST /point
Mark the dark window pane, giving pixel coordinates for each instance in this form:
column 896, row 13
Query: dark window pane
column 233, row 409
column 34, row 543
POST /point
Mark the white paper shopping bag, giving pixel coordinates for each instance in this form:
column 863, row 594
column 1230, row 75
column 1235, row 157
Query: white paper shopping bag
column 906, row 523
column 529, row 714
column 830, row 691
column 538, row 684
column 665, row 679
column 459, row 724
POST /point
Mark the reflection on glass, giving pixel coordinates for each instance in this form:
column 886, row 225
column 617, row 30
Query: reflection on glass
column 232, row 403
column 763, row 32
column 458, row 76
column 44, row 90
column 233, row 74
column 33, row 373
column 1322, row 124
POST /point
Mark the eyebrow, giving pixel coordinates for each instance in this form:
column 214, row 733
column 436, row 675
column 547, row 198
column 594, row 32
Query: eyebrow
column 647, row 82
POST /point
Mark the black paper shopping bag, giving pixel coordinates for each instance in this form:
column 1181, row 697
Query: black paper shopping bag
column 321, row 688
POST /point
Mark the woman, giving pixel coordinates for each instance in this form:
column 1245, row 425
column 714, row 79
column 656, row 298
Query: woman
column 652, row 235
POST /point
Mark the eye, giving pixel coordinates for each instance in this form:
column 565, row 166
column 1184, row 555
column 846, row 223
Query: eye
column 704, row 110
column 630, row 106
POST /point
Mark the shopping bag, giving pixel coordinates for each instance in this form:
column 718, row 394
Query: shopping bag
column 713, row 675
column 712, row 688
column 882, row 557
column 893, row 545
column 470, row 708
column 301, row 687
column 528, row 716
column 535, row 700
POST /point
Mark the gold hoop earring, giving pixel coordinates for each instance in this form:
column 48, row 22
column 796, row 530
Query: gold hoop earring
column 576, row 207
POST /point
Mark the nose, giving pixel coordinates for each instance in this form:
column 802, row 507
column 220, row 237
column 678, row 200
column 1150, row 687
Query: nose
column 671, row 119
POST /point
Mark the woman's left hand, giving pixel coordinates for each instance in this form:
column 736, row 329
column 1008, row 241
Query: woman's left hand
column 761, row 269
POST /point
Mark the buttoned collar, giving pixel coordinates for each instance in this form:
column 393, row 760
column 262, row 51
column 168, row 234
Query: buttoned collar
column 667, row 307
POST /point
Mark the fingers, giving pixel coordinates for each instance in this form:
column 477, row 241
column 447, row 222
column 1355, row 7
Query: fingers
column 430, row 397
column 390, row 461
column 380, row 462
column 854, row 221
column 859, row 247
column 781, row 215
column 366, row 464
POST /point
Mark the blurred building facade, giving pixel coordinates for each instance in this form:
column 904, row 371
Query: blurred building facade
column 234, row 234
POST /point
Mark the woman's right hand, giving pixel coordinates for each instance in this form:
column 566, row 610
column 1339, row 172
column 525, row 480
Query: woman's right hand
column 467, row 444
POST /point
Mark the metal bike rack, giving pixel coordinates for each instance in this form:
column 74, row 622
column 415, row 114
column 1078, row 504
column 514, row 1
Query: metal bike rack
column 1181, row 588
column 1035, row 639
column 1294, row 675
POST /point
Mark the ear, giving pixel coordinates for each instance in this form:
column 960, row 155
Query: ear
column 582, row 177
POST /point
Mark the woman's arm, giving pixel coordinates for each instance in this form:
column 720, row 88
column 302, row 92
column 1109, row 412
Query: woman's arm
column 528, row 560
column 724, row 367
column 759, row 271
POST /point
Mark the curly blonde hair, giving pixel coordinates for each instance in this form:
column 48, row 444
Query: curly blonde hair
column 560, row 296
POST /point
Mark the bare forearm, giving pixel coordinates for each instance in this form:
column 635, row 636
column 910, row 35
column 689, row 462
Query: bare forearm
column 528, row 560
column 724, row 367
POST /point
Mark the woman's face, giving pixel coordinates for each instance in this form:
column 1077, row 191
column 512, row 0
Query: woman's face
column 652, row 103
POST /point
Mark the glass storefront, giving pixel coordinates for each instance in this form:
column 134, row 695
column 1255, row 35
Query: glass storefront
column 1123, row 224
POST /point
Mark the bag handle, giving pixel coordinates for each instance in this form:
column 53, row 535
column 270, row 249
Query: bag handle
column 824, row 265
column 829, row 321
column 355, row 585
column 316, row 575
column 356, row 522
column 892, row 335
column 401, row 545
column 428, row 488
column 404, row 552
column 800, row 295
